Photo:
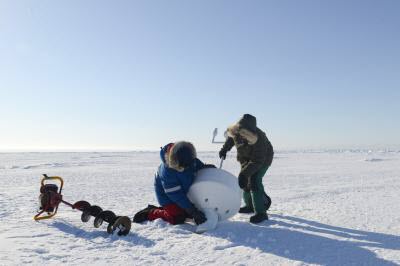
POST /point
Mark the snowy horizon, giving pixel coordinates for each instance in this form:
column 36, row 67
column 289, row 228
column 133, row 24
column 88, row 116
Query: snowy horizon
column 393, row 148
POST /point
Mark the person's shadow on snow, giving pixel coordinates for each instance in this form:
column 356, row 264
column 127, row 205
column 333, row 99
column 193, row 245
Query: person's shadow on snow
column 308, row 241
column 101, row 232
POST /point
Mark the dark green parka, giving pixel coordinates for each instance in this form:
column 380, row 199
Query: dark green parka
column 254, row 150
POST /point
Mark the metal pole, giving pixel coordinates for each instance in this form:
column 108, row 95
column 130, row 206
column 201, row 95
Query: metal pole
column 220, row 164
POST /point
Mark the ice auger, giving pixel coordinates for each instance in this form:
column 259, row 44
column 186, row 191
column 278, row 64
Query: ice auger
column 51, row 197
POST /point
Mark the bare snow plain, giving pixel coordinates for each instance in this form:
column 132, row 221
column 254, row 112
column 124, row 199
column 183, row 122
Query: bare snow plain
column 329, row 208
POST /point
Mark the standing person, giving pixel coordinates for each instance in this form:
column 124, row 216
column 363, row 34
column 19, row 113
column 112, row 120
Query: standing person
column 172, row 181
column 255, row 154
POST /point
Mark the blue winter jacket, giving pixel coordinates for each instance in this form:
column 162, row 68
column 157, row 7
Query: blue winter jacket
column 171, row 186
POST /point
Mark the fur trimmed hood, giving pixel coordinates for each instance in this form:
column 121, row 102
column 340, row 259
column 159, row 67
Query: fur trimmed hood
column 181, row 155
column 236, row 130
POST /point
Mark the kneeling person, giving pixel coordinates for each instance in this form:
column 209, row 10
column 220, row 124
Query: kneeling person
column 172, row 181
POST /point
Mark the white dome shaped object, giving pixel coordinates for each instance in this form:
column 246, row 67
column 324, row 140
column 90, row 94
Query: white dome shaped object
column 215, row 191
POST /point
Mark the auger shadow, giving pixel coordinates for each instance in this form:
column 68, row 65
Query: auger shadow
column 101, row 232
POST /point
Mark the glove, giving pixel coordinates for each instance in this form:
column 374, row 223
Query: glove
column 209, row 166
column 222, row 154
column 243, row 182
column 198, row 216
column 252, row 184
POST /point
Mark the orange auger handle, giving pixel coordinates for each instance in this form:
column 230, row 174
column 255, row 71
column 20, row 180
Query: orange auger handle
column 45, row 177
column 37, row 217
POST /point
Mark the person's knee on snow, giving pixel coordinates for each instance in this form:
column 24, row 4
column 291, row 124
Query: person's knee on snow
column 170, row 213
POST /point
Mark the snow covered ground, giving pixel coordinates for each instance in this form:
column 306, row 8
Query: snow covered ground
column 329, row 208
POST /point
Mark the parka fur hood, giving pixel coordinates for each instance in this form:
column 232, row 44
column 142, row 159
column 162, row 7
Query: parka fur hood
column 236, row 130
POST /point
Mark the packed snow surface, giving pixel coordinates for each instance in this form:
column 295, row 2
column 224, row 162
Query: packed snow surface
column 328, row 208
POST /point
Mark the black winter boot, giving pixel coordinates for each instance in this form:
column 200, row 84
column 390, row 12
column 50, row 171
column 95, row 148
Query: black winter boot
column 143, row 215
column 258, row 218
column 246, row 209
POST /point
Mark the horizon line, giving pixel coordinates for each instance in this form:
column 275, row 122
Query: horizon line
column 88, row 150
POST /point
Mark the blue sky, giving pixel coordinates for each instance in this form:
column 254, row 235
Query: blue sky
column 137, row 74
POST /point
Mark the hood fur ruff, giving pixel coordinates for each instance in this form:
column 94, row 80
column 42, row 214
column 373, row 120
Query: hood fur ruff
column 235, row 130
column 172, row 156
